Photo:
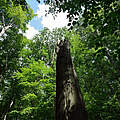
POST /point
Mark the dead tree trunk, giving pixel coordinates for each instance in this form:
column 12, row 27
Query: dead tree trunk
column 69, row 104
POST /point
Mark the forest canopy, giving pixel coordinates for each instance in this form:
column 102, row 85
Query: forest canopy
column 27, row 67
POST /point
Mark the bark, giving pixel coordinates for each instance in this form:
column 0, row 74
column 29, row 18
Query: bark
column 5, row 109
column 4, row 29
column 7, row 102
column 69, row 104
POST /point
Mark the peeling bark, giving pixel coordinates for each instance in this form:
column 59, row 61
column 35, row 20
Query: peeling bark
column 69, row 104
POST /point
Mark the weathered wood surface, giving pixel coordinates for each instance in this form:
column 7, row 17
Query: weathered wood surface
column 69, row 104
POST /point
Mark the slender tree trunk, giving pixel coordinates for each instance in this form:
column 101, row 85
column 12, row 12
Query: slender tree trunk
column 4, row 111
column 69, row 104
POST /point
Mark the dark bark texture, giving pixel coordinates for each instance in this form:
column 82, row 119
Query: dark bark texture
column 69, row 104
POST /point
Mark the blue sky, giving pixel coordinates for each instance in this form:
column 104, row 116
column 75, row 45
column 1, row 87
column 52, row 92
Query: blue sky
column 36, row 23
column 41, row 21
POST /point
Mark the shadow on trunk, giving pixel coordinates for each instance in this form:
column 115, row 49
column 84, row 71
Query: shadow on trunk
column 69, row 104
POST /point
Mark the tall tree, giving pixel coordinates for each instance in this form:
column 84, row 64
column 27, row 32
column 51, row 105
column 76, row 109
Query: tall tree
column 99, row 79
column 99, row 60
column 14, row 15
column 69, row 103
column 36, row 78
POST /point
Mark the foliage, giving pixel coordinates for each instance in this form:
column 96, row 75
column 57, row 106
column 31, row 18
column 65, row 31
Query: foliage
column 43, row 46
column 27, row 67
column 35, row 80
column 103, row 15
column 95, row 49
column 36, row 84
column 13, row 17
column 98, row 72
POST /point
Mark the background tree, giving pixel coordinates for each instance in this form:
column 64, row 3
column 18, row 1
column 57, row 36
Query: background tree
column 27, row 77
column 35, row 78
column 36, row 84
column 98, row 77
column 14, row 17
column 99, row 57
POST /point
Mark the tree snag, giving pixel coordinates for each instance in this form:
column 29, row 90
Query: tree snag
column 69, row 104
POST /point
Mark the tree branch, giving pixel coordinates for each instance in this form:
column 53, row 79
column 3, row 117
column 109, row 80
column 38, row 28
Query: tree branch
column 4, row 27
